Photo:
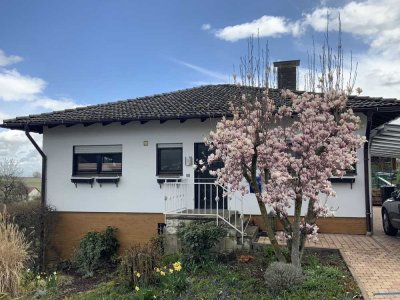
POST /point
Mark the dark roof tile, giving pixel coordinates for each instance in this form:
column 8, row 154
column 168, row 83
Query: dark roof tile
column 198, row 102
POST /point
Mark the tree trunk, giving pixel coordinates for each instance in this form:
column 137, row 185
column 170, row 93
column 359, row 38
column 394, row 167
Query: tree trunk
column 271, row 235
column 295, row 253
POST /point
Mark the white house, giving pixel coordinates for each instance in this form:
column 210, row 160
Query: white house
column 128, row 164
column 32, row 192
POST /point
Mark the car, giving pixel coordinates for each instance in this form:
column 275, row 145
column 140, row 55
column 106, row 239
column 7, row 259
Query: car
column 391, row 214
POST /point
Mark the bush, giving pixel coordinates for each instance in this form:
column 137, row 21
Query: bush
column 281, row 277
column 96, row 250
column 14, row 255
column 142, row 260
column 198, row 239
column 29, row 217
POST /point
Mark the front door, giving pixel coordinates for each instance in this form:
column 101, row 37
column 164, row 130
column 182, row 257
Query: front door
column 205, row 191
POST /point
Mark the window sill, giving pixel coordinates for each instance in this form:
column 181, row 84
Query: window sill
column 345, row 179
column 82, row 180
column 168, row 178
column 109, row 179
column 91, row 179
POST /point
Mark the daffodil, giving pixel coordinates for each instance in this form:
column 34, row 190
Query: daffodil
column 137, row 289
column 177, row 266
column 158, row 270
column 162, row 273
column 138, row 275
column 171, row 271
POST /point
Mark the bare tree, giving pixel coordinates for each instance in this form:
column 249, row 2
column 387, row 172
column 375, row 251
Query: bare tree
column 11, row 186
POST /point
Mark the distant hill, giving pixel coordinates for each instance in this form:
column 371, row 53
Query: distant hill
column 32, row 181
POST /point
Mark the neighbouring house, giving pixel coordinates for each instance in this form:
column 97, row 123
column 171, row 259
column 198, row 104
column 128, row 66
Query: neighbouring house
column 129, row 164
column 32, row 193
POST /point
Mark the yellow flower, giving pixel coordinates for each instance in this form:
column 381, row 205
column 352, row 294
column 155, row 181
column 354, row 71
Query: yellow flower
column 165, row 267
column 171, row 271
column 177, row 266
column 162, row 273
column 137, row 274
column 158, row 270
column 137, row 289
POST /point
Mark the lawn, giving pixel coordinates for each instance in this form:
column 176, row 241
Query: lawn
column 233, row 277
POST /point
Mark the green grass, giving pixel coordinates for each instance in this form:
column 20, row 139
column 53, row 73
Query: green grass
column 32, row 181
column 326, row 277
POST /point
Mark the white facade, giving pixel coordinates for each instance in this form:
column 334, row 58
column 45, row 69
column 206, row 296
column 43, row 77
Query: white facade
column 138, row 190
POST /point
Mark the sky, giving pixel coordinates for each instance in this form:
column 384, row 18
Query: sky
column 62, row 54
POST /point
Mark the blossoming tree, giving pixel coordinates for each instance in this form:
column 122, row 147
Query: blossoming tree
column 286, row 151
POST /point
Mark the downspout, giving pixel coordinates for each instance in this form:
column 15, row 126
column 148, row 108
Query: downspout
column 43, row 197
column 366, row 173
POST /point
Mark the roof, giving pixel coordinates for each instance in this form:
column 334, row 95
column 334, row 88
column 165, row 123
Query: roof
column 208, row 101
column 30, row 189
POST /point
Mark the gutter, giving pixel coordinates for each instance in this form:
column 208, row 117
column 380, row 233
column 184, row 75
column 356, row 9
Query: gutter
column 43, row 197
column 366, row 174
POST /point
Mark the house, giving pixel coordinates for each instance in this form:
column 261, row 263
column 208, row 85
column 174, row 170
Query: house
column 32, row 193
column 129, row 164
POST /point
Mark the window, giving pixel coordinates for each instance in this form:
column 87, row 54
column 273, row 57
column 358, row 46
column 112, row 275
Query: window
column 97, row 160
column 169, row 159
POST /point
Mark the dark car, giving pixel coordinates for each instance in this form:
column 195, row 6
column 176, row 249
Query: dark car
column 391, row 214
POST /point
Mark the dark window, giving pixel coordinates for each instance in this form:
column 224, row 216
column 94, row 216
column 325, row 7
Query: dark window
column 169, row 159
column 92, row 163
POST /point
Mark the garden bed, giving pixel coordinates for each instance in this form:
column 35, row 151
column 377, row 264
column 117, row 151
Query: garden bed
column 240, row 276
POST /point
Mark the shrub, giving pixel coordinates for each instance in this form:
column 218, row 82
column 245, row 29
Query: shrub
column 29, row 217
column 198, row 239
column 281, row 277
column 96, row 249
column 142, row 260
column 14, row 255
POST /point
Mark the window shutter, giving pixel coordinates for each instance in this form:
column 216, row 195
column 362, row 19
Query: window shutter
column 97, row 149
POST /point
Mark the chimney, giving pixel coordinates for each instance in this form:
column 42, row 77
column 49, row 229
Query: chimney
column 287, row 74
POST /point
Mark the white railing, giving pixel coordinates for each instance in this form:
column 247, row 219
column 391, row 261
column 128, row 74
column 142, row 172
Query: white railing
column 204, row 199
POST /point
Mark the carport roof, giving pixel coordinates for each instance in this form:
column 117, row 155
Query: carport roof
column 386, row 141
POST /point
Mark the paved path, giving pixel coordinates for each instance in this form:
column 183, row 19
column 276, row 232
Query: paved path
column 373, row 261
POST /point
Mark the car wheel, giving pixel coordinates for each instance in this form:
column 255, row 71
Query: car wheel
column 387, row 226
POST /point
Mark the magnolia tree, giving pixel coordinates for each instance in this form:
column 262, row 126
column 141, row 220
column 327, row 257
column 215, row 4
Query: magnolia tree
column 292, row 148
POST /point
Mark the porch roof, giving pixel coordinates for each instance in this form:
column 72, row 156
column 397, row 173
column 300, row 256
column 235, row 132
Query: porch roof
column 209, row 101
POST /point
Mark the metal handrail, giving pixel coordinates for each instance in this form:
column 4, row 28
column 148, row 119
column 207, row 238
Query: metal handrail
column 179, row 199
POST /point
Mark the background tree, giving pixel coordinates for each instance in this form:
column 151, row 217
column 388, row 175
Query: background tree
column 11, row 186
column 294, row 145
column 36, row 174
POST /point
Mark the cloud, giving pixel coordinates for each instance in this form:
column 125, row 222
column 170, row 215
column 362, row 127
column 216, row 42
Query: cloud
column 21, row 93
column 377, row 24
column 6, row 60
column 266, row 26
column 15, row 145
column 207, row 72
column 54, row 104
column 206, row 27
column 15, row 86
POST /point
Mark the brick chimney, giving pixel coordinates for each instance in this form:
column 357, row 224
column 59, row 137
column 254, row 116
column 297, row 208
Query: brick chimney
column 287, row 74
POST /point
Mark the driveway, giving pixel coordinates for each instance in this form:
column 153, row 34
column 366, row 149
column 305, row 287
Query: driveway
column 374, row 260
